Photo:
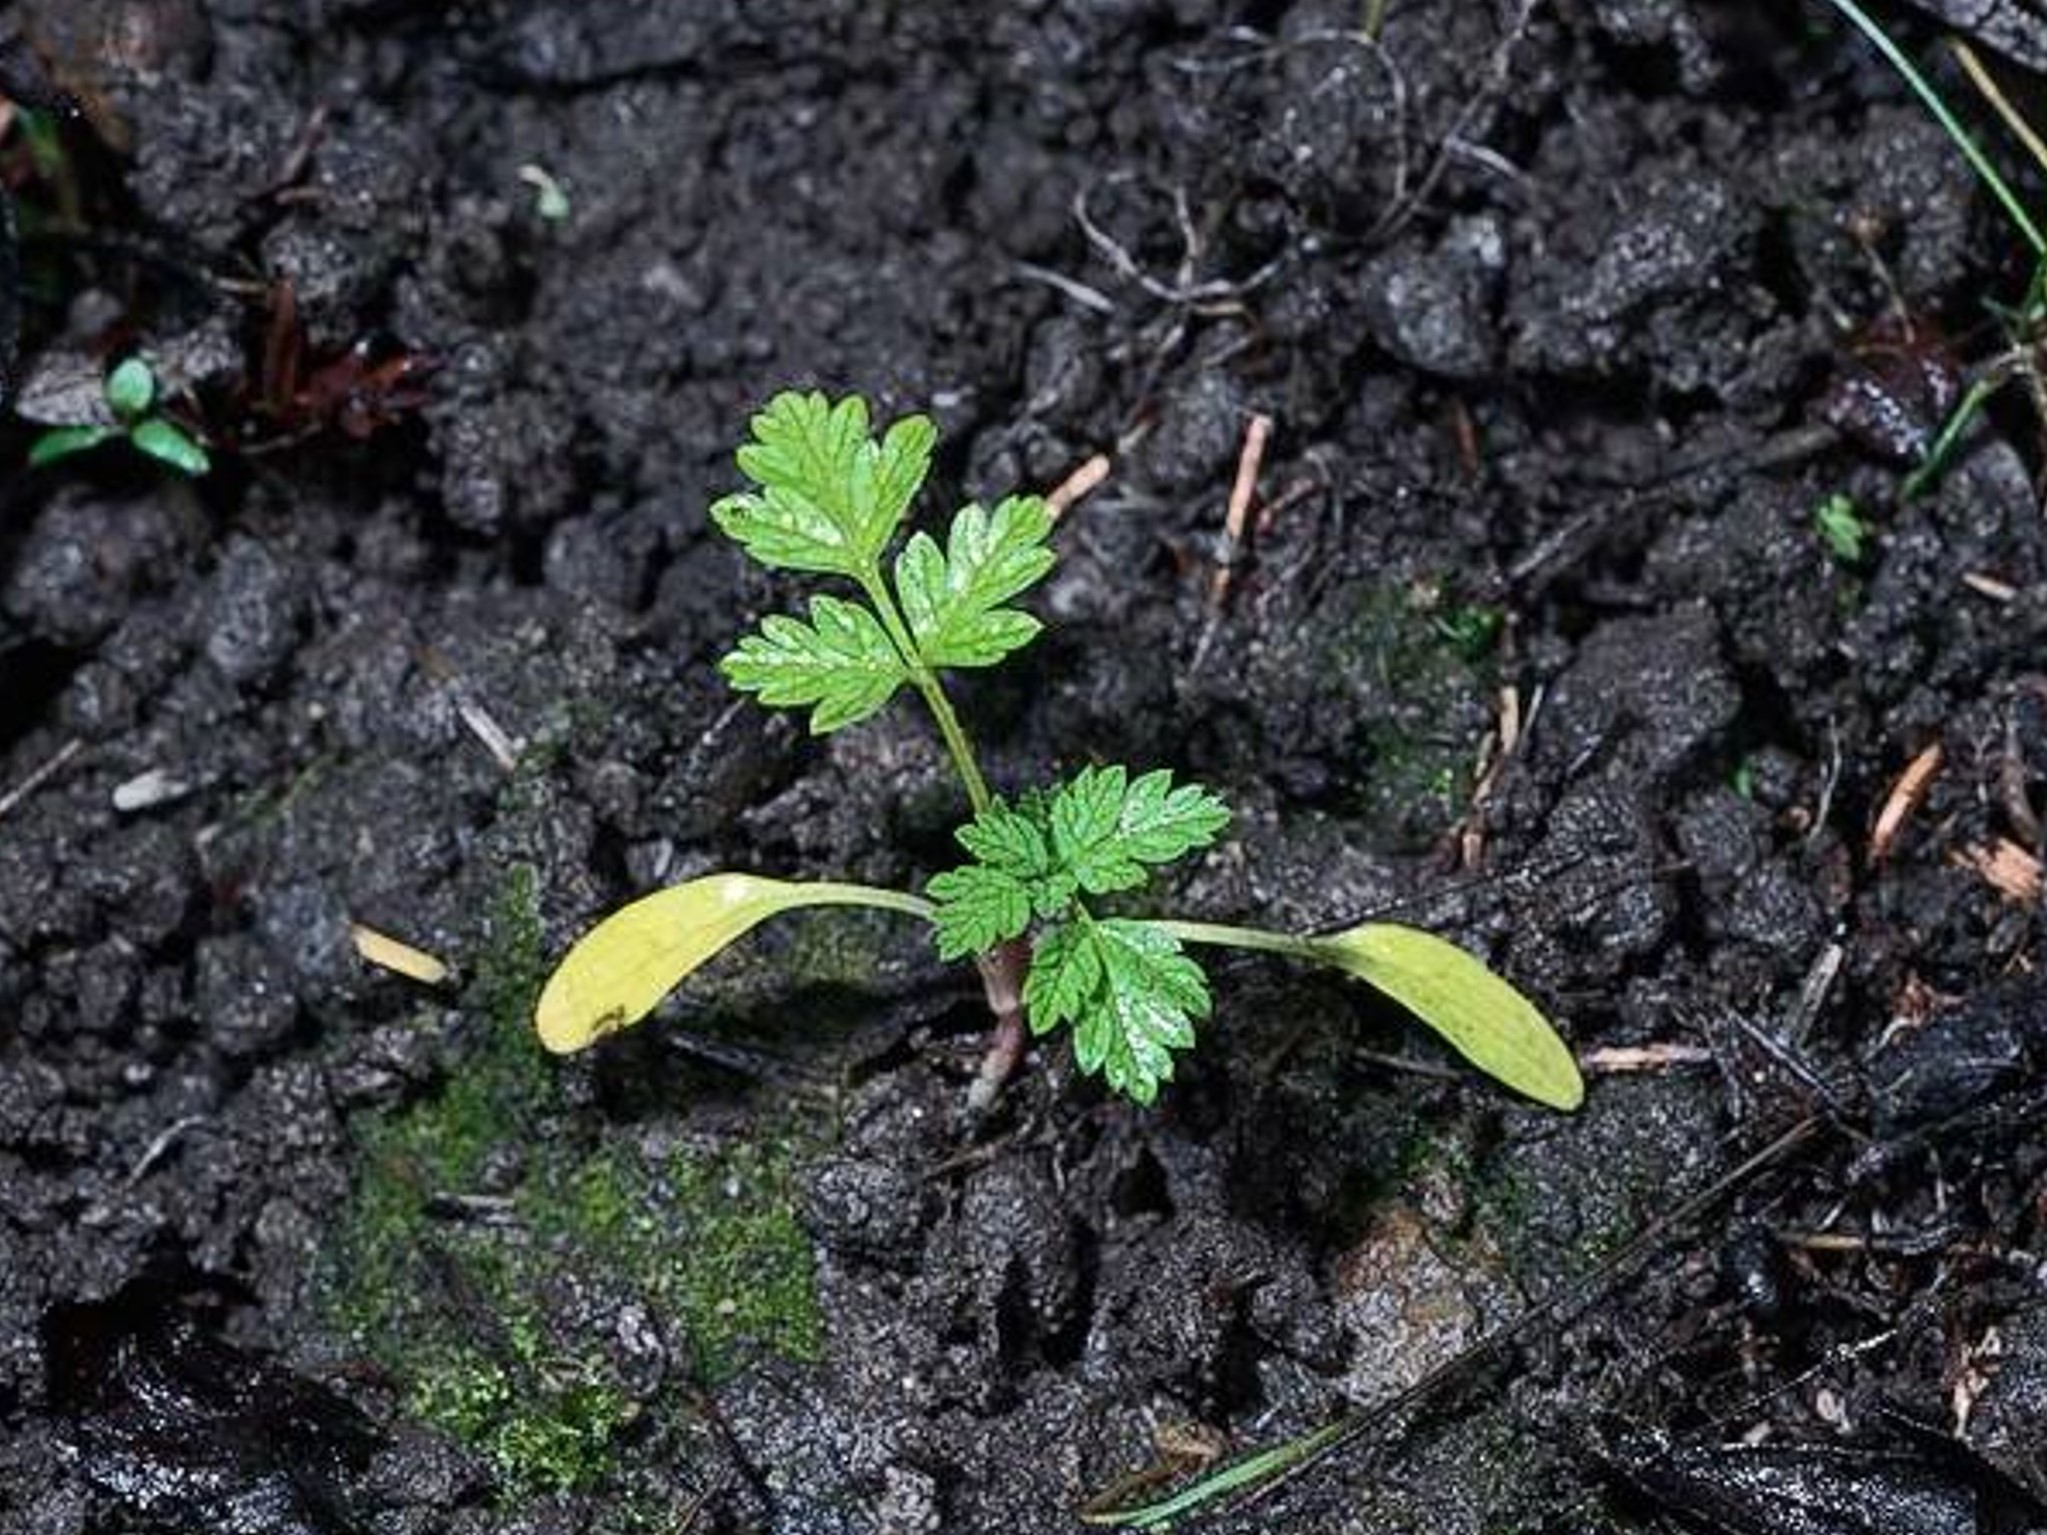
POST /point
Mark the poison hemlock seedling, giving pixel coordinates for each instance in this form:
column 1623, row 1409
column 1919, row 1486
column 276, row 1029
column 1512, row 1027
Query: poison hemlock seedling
column 829, row 498
column 130, row 397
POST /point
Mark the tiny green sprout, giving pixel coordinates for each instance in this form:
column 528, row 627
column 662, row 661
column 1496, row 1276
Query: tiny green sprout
column 1743, row 779
column 1842, row 529
column 550, row 198
column 130, row 394
column 1472, row 630
column 1040, row 901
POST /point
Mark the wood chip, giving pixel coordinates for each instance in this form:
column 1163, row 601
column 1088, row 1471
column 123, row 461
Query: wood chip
column 498, row 741
column 400, row 958
column 1990, row 586
column 1229, row 548
column 1615, row 1060
column 1907, row 794
column 1249, row 461
column 2006, row 867
column 147, row 790
column 1972, row 1375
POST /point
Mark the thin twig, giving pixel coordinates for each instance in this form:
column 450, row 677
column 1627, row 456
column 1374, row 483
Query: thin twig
column 1482, row 100
column 1230, row 547
column 41, row 775
column 154, row 1152
column 1199, row 296
column 1083, row 482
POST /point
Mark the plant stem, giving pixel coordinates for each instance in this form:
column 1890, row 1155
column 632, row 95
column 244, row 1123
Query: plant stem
column 927, row 683
column 833, row 893
column 1004, row 967
column 1290, row 945
column 956, row 741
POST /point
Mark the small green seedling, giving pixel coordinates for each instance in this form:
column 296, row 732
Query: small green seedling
column 1039, row 901
column 1842, row 529
column 130, row 395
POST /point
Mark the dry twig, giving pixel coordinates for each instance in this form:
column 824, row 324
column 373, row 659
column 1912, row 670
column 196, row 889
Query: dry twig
column 1230, row 547
column 1078, row 485
column 41, row 775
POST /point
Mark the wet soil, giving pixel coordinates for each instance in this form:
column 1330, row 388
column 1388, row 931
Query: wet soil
column 1571, row 317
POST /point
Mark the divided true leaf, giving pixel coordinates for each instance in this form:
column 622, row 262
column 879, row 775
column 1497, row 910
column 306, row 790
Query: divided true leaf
column 830, row 497
column 1018, row 843
column 841, row 665
column 953, row 599
column 1108, row 829
column 1065, row 971
column 978, row 908
column 1130, row 993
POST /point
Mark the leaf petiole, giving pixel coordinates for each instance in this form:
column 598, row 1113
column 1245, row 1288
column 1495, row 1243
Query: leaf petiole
column 619, row 971
column 1478, row 1014
column 925, row 680
column 1263, row 940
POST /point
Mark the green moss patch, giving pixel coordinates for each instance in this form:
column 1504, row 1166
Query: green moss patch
column 1413, row 670
column 490, row 1243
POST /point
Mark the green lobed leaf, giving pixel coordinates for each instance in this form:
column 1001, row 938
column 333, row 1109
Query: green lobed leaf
column 1106, row 829
column 978, row 908
column 841, row 665
column 1142, row 1009
column 168, row 445
column 131, row 389
column 1016, row 841
column 1066, row 971
column 900, row 470
column 953, row 599
column 829, row 496
column 64, row 442
column 1130, row 992
column 1006, row 839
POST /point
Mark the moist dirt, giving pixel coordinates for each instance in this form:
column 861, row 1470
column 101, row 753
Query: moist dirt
column 1570, row 318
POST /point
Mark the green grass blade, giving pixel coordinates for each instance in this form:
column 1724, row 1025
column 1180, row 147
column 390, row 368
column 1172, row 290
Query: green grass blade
column 1952, row 125
column 1252, row 1471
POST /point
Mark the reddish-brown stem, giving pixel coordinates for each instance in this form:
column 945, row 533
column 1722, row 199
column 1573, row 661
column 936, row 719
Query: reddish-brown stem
column 1002, row 978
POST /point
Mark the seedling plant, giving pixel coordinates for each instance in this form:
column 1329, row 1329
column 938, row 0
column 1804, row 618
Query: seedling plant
column 130, row 397
column 1041, row 897
column 1842, row 528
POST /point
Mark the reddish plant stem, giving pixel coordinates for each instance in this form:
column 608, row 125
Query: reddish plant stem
column 1002, row 977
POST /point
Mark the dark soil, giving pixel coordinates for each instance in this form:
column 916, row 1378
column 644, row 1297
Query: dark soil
column 1570, row 317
